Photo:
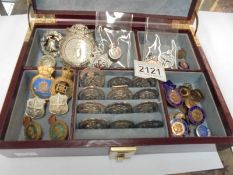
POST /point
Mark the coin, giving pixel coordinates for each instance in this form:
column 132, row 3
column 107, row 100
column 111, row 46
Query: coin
column 91, row 93
column 90, row 107
column 118, row 81
column 196, row 95
column 146, row 94
column 122, row 124
column 150, row 124
column 196, row 115
column 146, row 107
column 118, row 108
column 93, row 124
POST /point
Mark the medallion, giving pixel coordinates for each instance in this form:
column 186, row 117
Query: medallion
column 50, row 43
column 32, row 129
column 179, row 127
column 92, row 77
column 64, row 84
column 58, row 129
column 146, row 107
column 173, row 97
column 120, row 93
column 100, row 60
column 196, row 95
column 77, row 46
column 41, row 84
column 150, row 124
column 122, row 124
column 93, row 124
column 180, row 115
column 183, row 65
column 114, row 52
column 35, row 107
column 189, row 102
column 184, row 91
column 118, row 108
column 118, row 81
column 47, row 60
column 181, row 54
column 91, row 108
column 202, row 131
column 91, row 93
column 58, row 104
column 146, row 94
column 196, row 115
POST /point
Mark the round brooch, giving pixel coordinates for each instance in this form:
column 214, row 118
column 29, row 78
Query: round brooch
column 90, row 107
column 92, row 77
column 118, row 108
column 32, row 129
column 58, row 129
column 91, row 93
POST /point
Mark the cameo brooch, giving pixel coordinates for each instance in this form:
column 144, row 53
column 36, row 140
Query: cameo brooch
column 58, row 104
column 32, row 129
column 58, row 129
column 35, row 107
column 41, row 84
column 64, row 83
column 50, row 43
column 77, row 46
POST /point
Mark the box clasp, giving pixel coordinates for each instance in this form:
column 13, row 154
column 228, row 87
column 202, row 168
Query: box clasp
column 122, row 153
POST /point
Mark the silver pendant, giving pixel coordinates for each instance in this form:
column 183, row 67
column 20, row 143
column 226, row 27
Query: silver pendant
column 58, row 104
column 114, row 52
column 35, row 107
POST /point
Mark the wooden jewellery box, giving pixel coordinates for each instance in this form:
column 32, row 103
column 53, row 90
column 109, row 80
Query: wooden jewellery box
column 171, row 20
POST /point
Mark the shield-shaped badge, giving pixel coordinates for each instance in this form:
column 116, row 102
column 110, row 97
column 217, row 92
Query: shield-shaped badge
column 58, row 104
column 35, row 107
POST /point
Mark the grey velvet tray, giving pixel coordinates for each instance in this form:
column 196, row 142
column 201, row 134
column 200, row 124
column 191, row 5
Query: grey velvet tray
column 129, row 52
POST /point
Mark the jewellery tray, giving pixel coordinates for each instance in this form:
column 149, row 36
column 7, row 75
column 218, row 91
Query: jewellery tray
column 171, row 18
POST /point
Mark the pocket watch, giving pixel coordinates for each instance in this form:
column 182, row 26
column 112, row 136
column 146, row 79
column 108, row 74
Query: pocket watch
column 91, row 93
column 35, row 107
column 32, row 129
column 77, row 46
column 120, row 93
column 91, row 108
column 58, row 129
column 92, row 77
column 64, row 84
column 50, row 43
column 41, row 84
column 58, row 104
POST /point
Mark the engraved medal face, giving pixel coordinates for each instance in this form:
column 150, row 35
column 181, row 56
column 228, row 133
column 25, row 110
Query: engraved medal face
column 64, row 84
column 173, row 98
column 35, row 107
column 77, row 46
column 58, row 104
column 58, row 129
column 50, row 43
column 41, row 84
column 196, row 115
column 32, row 129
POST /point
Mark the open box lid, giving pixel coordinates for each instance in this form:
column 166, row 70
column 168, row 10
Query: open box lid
column 162, row 9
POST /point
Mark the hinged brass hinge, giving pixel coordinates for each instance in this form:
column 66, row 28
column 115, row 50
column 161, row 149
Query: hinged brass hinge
column 122, row 153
